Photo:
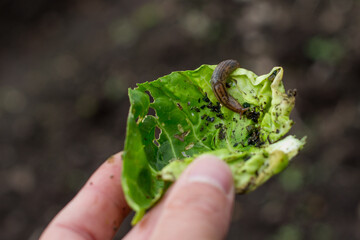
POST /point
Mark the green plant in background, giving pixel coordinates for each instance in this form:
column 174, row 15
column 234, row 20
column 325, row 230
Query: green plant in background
column 292, row 179
column 287, row 232
column 327, row 50
column 192, row 122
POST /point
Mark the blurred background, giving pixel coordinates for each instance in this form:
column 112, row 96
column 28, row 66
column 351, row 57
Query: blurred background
column 65, row 67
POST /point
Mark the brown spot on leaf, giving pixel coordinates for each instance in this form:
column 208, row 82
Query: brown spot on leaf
column 222, row 133
column 182, row 136
column 179, row 106
column 253, row 115
column 291, row 92
column 190, row 146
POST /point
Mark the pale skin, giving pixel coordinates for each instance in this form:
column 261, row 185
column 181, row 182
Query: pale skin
column 197, row 206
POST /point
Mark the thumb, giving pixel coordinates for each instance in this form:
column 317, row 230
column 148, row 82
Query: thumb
column 199, row 205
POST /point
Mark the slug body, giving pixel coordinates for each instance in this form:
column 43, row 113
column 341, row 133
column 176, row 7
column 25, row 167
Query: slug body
column 218, row 84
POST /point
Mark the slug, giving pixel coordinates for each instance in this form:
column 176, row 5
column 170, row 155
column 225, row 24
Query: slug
column 218, row 84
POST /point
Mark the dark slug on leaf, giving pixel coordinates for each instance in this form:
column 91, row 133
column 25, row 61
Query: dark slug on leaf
column 218, row 84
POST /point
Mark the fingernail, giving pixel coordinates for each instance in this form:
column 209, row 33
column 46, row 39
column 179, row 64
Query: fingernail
column 211, row 170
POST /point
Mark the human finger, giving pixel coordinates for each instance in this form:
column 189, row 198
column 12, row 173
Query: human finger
column 97, row 210
column 198, row 206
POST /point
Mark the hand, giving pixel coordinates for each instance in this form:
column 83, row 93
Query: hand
column 197, row 206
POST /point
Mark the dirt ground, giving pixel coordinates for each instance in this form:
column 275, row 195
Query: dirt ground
column 65, row 67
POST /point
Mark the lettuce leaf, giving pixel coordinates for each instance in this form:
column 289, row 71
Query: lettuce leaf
column 192, row 122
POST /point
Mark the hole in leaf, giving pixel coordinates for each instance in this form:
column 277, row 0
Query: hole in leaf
column 157, row 132
column 151, row 112
column 156, row 142
column 150, row 96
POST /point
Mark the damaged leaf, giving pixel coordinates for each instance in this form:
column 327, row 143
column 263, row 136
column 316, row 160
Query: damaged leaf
column 192, row 122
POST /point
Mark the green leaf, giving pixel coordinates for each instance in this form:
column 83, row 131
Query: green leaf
column 192, row 122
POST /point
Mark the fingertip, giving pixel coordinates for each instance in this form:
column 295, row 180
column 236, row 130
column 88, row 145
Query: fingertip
column 108, row 177
column 211, row 170
column 116, row 158
column 199, row 205
column 97, row 210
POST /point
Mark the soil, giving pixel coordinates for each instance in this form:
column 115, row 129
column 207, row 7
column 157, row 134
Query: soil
column 65, row 67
